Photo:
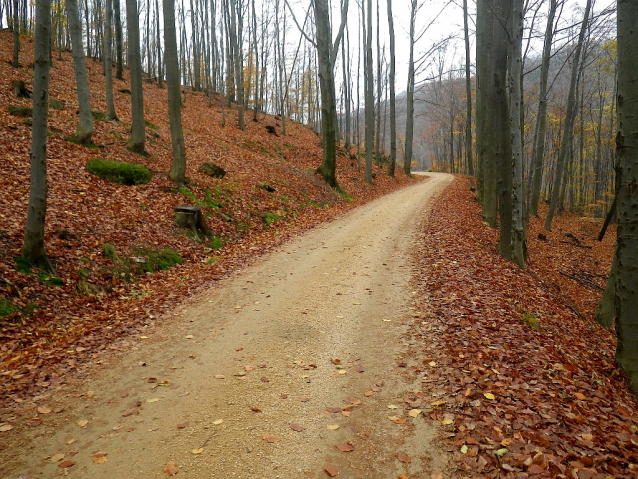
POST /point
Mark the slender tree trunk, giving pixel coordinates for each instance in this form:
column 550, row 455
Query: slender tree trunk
column 138, row 129
column 369, row 92
column 377, row 136
column 178, row 166
column 108, row 62
column 237, row 63
column 393, row 103
column 518, row 248
column 85, row 124
column 119, row 54
column 568, row 129
column 626, row 303
column 468, row 94
column 409, row 123
column 33, row 247
column 160, row 59
column 15, row 63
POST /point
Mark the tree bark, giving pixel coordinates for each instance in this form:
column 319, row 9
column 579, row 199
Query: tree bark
column 369, row 92
column 568, row 129
column 409, row 93
column 393, row 103
column 119, row 72
column 138, row 129
column 518, row 246
column 468, row 94
column 626, row 299
column 85, row 124
column 108, row 62
column 33, row 247
column 178, row 166
column 15, row 62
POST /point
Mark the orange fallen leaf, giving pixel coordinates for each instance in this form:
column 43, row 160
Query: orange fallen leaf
column 331, row 471
column 66, row 464
column 44, row 410
column 297, row 427
column 436, row 475
column 171, row 469
column 57, row 457
column 403, row 457
column 580, row 396
column 346, row 447
column 402, row 476
column 269, row 438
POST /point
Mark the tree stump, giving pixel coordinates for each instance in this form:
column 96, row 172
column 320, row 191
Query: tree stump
column 20, row 89
column 191, row 217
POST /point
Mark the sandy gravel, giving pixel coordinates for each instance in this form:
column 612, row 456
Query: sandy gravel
column 315, row 325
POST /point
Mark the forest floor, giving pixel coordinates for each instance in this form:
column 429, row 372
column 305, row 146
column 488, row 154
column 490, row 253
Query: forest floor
column 510, row 373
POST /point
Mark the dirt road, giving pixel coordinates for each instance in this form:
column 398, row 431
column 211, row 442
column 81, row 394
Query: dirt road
column 309, row 336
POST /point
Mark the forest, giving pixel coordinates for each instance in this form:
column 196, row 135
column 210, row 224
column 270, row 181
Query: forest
column 222, row 129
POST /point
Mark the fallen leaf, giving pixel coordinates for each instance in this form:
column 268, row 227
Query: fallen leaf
column 70, row 441
column 580, row 396
column 5, row 428
column 392, row 406
column 333, row 410
column 197, row 451
column 345, row 447
column 269, row 438
column 501, row 452
column 220, row 376
column 99, row 458
column 255, row 409
column 83, row 423
column 394, row 418
column 333, row 427
column 265, row 380
column 403, row 457
column 436, row 475
column 368, row 394
column 283, row 396
column 151, row 380
column 57, row 457
column 402, row 476
column 464, row 449
column 415, row 412
column 218, row 422
column 437, row 403
column 171, row 469
column 489, row 396
column 44, row 410
column 297, row 427
column 90, row 394
column 331, row 471
column 36, row 421
column 346, row 413
column 432, row 364
column 535, row 469
column 66, row 464
column 183, row 425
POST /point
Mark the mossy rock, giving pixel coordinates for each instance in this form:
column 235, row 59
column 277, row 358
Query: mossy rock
column 212, row 170
column 120, row 172
column 21, row 111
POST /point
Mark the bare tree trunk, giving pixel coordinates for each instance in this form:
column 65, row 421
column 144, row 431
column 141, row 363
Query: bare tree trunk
column 393, row 103
column 108, row 62
column 568, row 129
column 15, row 63
column 119, row 72
column 160, row 60
column 518, row 246
column 468, row 94
column 178, row 166
column 238, row 64
column 33, row 247
column 627, row 151
column 85, row 124
column 409, row 123
column 138, row 129
column 377, row 137
column 369, row 92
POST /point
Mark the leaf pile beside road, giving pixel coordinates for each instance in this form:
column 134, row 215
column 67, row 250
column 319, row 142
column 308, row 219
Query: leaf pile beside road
column 522, row 379
column 120, row 261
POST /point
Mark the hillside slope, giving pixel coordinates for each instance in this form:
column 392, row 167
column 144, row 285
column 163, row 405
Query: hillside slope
column 109, row 243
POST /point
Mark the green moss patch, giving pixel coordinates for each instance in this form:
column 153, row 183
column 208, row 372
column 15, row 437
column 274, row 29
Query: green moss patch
column 121, row 172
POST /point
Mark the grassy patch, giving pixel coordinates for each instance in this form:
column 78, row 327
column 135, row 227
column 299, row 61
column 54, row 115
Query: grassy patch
column 6, row 307
column 531, row 320
column 216, row 242
column 269, row 218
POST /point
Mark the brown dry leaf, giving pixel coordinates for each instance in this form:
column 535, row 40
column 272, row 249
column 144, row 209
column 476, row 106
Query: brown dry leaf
column 83, row 423
column 57, row 457
column 403, row 457
column 36, row 421
column 265, row 380
column 183, row 425
column 171, row 469
column 331, row 471
column 436, row 475
column 415, row 413
column 220, row 376
column 333, row 410
column 255, row 409
column 66, row 464
column 580, row 396
column 345, row 447
column 100, row 459
column 44, row 410
column 249, row 368
column 402, row 476
column 346, row 413
column 368, row 394
column 437, row 403
column 5, row 428
column 197, row 451
column 270, row 438
column 297, row 427
column 70, row 441
column 333, row 427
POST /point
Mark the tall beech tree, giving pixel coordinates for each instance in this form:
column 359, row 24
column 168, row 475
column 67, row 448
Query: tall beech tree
column 108, row 61
column 368, row 78
column 409, row 94
column 178, row 166
column 326, row 58
column 85, row 124
column 138, row 129
column 393, row 103
column 33, row 247
column 626, row 304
